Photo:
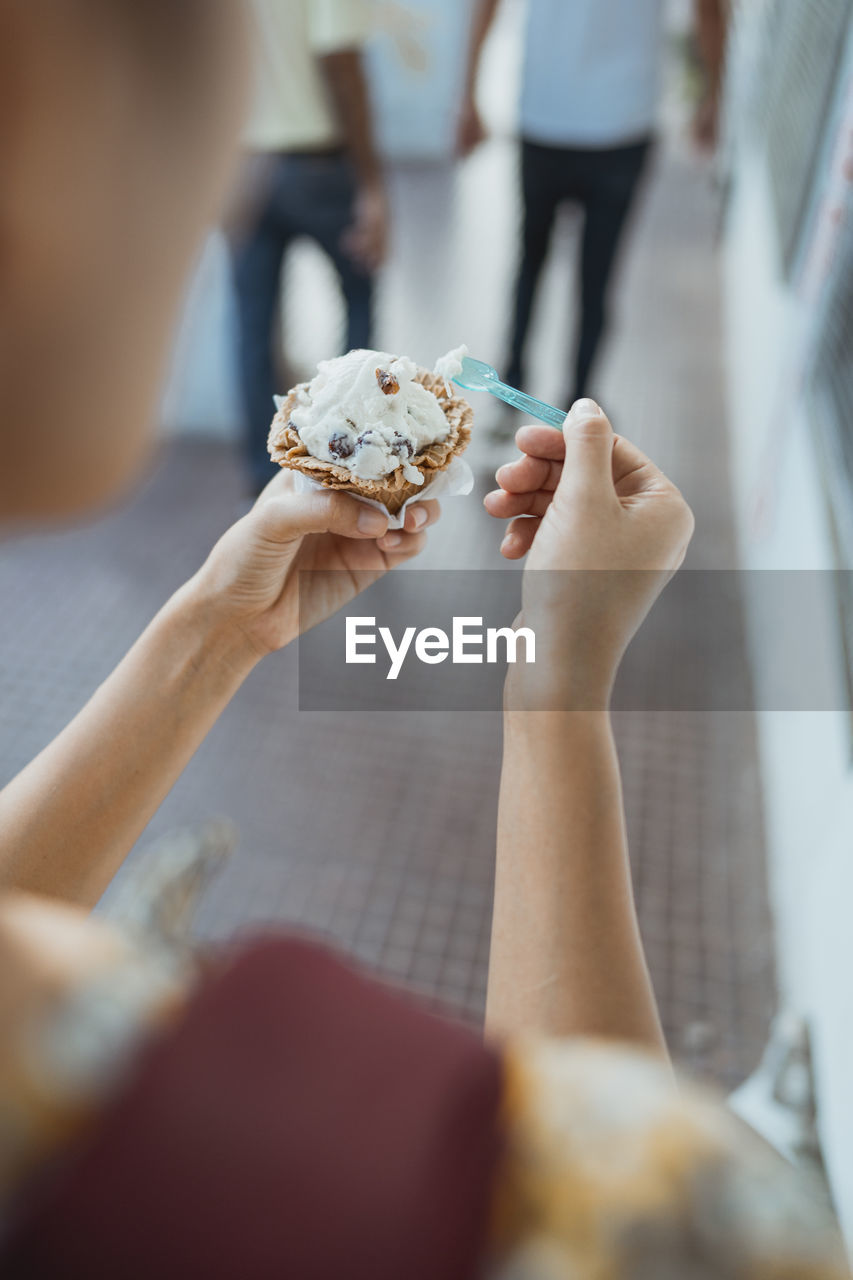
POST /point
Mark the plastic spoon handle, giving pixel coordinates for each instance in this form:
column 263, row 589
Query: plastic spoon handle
column 529, row 404
column 476, row 375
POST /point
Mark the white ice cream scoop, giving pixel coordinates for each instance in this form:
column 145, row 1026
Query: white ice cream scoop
column 367, row 412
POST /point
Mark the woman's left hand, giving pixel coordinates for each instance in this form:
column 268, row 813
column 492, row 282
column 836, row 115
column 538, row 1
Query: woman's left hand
column 250, row 581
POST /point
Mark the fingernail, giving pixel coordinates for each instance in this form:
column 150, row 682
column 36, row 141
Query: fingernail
column 419, row 517
column 392, row 540
column 507, row 540
column 584, row 409
column 371, row 521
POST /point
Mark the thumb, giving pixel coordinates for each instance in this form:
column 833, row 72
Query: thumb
column 286, row 518
column 588, row 467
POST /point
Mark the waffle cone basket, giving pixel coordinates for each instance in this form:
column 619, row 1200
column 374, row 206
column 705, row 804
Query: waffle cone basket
column 392, row 491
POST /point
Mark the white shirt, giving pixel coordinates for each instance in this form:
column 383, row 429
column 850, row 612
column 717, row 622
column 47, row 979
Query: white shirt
column 591, row 71
column 291, row 110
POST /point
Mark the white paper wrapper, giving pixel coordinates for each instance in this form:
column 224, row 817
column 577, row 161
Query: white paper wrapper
column 456, row 480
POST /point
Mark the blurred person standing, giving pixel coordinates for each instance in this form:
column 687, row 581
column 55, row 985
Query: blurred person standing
column 589, row 100
column 312, row 170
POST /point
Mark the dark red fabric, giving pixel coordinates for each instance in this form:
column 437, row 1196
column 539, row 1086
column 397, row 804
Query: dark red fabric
column 301, row 1121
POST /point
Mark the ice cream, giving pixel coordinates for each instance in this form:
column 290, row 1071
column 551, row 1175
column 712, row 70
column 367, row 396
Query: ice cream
column 450, row 366
column 373, row 423
column 366, row 413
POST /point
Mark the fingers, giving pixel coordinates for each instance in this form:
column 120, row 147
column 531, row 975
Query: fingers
column 408, row 541
column 399, row 545
column 633, row 472
column 577, row 462
column 588, row 468
column 541, row 442
column 284, row 515
column 527, row 487
column 503, row 506
column 518, row 538
column 543, row 451
column 528, row 475
column 422, row 515
column 525, row 511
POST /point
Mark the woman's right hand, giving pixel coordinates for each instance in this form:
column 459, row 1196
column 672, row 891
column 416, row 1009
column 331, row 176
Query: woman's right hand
column 605, row 531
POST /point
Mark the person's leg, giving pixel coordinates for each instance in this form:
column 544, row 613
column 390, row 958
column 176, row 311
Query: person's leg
column 539, row 166
column 612, row 179
column 323, row 195
column 257, row 252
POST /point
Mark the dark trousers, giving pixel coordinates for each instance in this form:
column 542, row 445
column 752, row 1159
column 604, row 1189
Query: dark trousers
column 303, row 195
column 603, row 182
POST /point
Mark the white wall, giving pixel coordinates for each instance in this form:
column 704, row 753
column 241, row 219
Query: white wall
column 805, row 756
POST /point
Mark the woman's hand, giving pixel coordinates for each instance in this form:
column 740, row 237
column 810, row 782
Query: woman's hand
column 69, row 818
column 250, row 582
column 587, row 501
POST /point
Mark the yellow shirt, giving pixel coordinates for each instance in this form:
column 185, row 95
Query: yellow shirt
column 292, row 111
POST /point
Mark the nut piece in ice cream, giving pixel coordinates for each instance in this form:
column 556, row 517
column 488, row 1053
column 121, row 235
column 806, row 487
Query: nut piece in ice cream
column 371, row 423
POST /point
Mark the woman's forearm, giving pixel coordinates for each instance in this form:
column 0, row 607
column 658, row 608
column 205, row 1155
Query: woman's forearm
column 70, row 817
column 566, row 954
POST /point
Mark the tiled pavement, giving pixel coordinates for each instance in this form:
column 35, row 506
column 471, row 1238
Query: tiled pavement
column 401, row 875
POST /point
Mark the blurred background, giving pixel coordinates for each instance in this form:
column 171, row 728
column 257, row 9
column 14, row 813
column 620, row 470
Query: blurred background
column 727, row 358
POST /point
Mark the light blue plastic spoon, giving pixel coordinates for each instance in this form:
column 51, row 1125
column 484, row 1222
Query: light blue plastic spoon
column 476, row 375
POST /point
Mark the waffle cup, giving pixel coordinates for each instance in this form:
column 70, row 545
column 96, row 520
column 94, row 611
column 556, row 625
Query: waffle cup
column 286, row 448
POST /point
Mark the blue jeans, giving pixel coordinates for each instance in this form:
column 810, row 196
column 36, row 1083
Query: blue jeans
column 305, row 194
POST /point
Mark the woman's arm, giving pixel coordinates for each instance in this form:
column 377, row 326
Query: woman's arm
column 605, row 530
column 71, row 816
column 566, row 951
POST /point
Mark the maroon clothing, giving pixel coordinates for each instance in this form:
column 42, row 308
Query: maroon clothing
column 299, row 1121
